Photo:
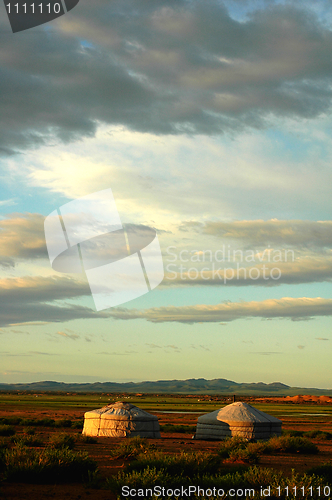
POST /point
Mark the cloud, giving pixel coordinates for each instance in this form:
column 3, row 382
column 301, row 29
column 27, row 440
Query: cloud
column 31, row 289
column 44, row 353
column 126, row 353
column 267, row 353
column 303, row 233
column 296, row 309
column 163, row 67
column 22, row 237
column 154, row 346
column 165, row 347
column 7, row 203
column 313, row 270
column 200, row 347
column 72, row 336
column 28, row 300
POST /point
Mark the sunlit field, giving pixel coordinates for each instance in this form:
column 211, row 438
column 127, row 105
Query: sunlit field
column 40, row 431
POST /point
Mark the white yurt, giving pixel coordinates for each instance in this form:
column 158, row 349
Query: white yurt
column 121, row 420
column 237, row 419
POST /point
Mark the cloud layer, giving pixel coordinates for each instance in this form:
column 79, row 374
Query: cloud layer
column 267, row 274
column 301, row 233
column 162, row 67
column 22, row 237
column 286, row 308
column 30, row 299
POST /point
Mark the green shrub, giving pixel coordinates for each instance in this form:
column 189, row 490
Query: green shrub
column 312, row 485
column 261, row 447
column 94, row 480
column 10, row 421
column 131, row 448
column 292, row 444
column 62, row 422
column 7, row 430
column 78, row 424
column 88, row 439
column 316, row 434
column 29, row 431
column 231, row 444
column 28, row 441
column 30, row 422
column 291, row 432
column 320, row 435
column 28, row 465
column 290, row 487
column 139, row 479
column 206, row 471
column 244, row 455
column 4, row 444
column 46, row 422
column 324, row 471
column 62, row 440
column 182, row 465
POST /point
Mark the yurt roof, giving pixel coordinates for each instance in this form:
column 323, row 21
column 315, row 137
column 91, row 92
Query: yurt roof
column 120, row 411
column 239, row 413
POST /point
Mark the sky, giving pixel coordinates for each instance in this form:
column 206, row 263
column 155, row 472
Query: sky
column 211, row 123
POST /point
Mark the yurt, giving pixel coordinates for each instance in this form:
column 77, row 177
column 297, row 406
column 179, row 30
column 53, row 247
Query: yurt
column 237, row 419
column 121, row 420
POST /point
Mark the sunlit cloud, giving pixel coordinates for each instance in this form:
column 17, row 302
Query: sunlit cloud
column 296, row 309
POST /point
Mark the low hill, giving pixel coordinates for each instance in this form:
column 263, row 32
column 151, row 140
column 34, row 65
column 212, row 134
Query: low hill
column 190, row 386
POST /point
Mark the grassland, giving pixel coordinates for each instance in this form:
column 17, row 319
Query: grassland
column 42, row 425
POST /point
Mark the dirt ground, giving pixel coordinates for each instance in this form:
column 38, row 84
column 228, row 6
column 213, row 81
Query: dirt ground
column 170, row 443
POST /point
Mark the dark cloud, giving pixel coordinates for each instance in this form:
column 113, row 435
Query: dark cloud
column 164, row 66
column 29, row 299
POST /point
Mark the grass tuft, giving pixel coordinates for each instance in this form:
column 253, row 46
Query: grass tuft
column 62, row 440
column 7, row 430
column 292, row 444
column 88, row 439
column 324, row 471
column 28, row 465
column 33, row 441
column 131, row 448
column 63, row 422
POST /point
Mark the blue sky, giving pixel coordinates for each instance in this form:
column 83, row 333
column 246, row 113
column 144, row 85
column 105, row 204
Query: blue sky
column 211, row 122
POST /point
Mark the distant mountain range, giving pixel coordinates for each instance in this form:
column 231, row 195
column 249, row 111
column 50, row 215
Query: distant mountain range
column 190, row 386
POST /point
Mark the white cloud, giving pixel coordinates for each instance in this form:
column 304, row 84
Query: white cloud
column 7, row 203
column 219, row 178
